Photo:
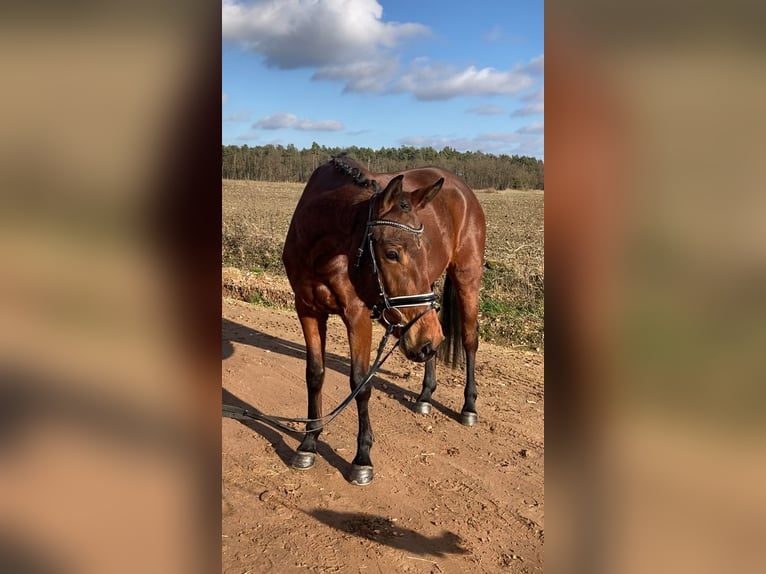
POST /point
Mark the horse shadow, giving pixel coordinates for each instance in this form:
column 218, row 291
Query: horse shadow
column 276, row 437
column 408, row 398
column 232, row 332
column 383, row 531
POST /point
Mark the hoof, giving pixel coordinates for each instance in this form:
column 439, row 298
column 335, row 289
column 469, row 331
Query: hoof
column 303, row 460
column 360, row 475
column 422, row 407
column 468, row 418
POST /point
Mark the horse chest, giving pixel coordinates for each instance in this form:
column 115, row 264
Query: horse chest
column 320, row 298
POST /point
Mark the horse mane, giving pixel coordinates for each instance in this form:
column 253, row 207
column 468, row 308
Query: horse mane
column 350, row 167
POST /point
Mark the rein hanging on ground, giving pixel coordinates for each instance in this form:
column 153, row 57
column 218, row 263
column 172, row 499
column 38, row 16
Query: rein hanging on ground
column 239, row 413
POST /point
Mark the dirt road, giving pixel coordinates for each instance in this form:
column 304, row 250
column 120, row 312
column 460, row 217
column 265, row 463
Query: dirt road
column 446, row 498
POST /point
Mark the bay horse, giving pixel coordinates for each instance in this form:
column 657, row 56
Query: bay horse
column 367, row 246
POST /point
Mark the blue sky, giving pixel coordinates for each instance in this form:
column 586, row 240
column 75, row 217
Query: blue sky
column 384, row 73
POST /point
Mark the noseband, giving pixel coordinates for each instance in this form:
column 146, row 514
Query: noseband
column 388, row 307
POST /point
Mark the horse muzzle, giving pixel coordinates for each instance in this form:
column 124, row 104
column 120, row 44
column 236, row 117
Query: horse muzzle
column 420, row 355
column 419, row 343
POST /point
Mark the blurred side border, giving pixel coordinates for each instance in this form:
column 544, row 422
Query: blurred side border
column 110, row 225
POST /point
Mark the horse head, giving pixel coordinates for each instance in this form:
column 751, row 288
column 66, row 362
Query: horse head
column 399, row 245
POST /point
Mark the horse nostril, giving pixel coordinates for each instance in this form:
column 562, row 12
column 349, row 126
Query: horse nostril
column 427, row 351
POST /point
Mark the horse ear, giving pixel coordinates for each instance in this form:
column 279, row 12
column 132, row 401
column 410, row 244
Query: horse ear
column 421, row 197
column 391, row 193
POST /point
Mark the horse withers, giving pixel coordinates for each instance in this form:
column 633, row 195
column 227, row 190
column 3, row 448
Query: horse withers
column 367, row 246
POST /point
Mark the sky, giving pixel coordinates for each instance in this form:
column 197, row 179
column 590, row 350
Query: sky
column 384, row 73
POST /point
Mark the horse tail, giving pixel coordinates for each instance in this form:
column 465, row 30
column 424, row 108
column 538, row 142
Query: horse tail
column 451, row 351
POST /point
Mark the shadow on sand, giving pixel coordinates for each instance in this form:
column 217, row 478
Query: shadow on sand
column 383, row 531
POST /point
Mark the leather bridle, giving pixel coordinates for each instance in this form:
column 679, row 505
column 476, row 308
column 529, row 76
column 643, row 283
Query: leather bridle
column 387, row 308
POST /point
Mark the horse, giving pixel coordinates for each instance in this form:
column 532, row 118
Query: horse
column 370, row 246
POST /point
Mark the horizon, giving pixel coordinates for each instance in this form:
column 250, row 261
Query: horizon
column 374, row 150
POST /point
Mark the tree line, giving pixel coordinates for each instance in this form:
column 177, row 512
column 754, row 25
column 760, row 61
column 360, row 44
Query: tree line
column 480, row 170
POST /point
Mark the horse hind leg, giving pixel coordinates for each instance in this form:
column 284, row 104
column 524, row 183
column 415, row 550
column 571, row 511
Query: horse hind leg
column 468, row 414
column 315, row 334
column 461, row 296
column 460, row 312
column 469, row 307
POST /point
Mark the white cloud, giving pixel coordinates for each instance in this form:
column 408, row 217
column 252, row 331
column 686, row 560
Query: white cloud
column 536, row 65
column 224, row 97
column 536, row 104
column 529, row 110
column 536, row 96
column 514, row 143
column 350, row 42
column 486, row 110
column 296, row 33
column 498, row 35
column 441, row 82
column 439, row 142
column 533, row 128
column 502, row 137
column 291, row 121
column 426, row 81
column 496, row 143
column 238, row 117
column 494, row 35
column 366, row 76
column 534, row 147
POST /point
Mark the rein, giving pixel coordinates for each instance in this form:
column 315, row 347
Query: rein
column 238, row 413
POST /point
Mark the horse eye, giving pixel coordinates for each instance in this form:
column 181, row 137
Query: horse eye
column 392, row 255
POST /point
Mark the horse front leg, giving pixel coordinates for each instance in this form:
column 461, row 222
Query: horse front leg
column 423, row 403
column 359, row 328
column 315, row 334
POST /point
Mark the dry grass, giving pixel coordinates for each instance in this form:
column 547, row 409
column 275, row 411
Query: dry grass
column 256, row 216
column 513, row 289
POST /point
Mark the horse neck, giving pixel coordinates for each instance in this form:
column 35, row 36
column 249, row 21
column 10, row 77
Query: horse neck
column 345, row 222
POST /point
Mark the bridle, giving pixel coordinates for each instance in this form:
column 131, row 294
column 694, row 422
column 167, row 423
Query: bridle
column 387, row 308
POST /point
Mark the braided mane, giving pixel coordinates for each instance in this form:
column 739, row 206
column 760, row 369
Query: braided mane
column 347, row 166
